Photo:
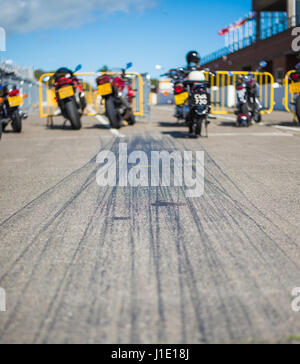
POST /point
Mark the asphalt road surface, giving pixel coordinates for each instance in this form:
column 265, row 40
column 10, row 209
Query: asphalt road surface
column 84, row 264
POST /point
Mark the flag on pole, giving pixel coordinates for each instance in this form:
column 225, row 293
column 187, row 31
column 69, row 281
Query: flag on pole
column 236, row 25
column 224, row 31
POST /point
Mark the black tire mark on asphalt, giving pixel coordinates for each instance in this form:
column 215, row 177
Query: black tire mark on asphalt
column 52, row 189
column 67, row 277
column 60, row 213
column 210, row 208
column 110, row 205
column 230, row 225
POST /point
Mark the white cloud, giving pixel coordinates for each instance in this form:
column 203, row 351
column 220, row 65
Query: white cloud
column 30, row 15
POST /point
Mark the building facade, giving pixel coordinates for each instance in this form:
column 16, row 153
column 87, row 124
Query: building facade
column 271, row 41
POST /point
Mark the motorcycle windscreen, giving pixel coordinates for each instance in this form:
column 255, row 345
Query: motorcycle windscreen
column 66, row 92
column 105, row 89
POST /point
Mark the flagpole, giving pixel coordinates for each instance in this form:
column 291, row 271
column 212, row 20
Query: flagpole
column 226, row 40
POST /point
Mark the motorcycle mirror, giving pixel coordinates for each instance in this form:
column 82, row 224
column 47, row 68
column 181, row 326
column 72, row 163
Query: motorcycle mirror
column 129, row 65
column 46, row 79
column 263, row 64
column 79, row 67
column 230, row 74
column 68, row 75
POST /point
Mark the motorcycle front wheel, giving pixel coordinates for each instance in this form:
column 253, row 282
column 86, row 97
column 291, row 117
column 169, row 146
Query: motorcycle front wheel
column 112, row 113
column 73, row 114
column 244, row 109
column 131, row 120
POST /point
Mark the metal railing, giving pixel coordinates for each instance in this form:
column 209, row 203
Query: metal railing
column 48, row 104
column 289, row 95
column 223, row 91
column 269, row 28
column 16, row 77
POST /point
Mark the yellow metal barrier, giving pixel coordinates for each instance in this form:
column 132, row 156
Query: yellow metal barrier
column 223, row 91
column 289, row 97
column 48, row 104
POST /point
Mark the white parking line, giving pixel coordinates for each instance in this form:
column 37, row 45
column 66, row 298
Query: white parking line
column 251, row 134
column 286, row 128
column 225, row 117
column 104, row 122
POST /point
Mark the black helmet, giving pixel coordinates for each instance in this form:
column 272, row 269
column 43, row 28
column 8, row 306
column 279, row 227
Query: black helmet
column 193, row 57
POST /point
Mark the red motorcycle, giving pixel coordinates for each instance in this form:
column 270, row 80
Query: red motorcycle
column 118, row 95
column 70, row 96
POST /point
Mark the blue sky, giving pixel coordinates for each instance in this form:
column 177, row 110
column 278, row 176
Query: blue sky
column 157, row 32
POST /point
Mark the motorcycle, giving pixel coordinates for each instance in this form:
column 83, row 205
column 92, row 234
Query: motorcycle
column 199, row 101
column 70, row 96
column 10, row 108
column 249, row 106
column 118, row 95
column 181, row 94
column 295, row 90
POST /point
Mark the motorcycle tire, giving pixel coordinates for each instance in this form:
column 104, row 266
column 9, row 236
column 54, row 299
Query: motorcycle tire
column 198, row 129
column 1, row 129
column 298, row 108
column 16, row 121
column 131, row 120
column 83, row 103
column 258, row 118
column 244, row 109
column 112, row 113
column 73, row 115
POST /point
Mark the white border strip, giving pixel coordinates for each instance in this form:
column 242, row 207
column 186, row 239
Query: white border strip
column 104, row 122
column 285, row 128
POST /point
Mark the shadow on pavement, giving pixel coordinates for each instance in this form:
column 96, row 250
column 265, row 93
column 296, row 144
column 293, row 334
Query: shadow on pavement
column 177, row 134
column 286, row 123
column 171, row 125
column 228, row 123
column 59, row 127
column 97, row 126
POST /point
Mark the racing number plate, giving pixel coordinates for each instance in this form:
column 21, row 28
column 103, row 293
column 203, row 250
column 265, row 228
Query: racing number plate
column 15, row 101
column 181, row 98
column 66, row 92
column 105, row 89
column 295, row 88
column 201, row 99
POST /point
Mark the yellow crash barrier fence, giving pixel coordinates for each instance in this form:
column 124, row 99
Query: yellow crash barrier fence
column 95, row 104
column 291, row 91
column 223, row 91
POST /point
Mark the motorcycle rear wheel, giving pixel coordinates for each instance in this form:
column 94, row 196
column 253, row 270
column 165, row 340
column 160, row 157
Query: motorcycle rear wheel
column 113, row 114
column 16, row 121
column 73, row 114
column 131, row 120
